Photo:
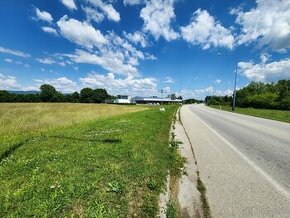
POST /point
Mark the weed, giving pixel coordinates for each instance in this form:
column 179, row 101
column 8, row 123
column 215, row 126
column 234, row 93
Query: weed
column 171, row 211
column 115, row 186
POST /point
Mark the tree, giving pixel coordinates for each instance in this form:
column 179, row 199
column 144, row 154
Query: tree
column 48, row 93
column 87, row 95
column 100, row 95
column 5, row 96
column 173, row 96
column 75, row 97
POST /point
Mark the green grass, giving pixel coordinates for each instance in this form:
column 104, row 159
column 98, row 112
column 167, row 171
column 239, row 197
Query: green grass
column 113, row 167
column 22, row 120
column 264, row 113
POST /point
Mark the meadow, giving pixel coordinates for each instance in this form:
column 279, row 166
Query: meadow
column 21, row 120
column 112, row 165
column 279, row 115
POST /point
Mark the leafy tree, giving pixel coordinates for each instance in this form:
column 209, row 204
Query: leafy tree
column 87, row 95
column 48, row 93
column 5, row 96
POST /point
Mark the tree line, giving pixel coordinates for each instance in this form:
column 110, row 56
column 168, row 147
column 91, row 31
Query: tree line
column 49, row 94
column 258, row 95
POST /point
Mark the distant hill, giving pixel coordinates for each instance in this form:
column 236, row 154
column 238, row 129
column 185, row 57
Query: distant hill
column 23, row 92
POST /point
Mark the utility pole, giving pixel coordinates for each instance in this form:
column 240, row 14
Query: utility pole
column 235, row 83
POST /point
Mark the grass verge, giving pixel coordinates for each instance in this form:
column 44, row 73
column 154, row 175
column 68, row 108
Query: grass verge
column 278, row 115
column 113, row 167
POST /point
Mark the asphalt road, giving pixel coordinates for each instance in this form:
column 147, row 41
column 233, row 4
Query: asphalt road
column 244, row 161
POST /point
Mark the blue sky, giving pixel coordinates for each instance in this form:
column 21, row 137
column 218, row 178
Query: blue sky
column 140, row 47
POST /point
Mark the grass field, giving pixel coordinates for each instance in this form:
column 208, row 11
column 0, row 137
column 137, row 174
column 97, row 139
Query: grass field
column 112, row 167
column 264, row 113
column 20, row 120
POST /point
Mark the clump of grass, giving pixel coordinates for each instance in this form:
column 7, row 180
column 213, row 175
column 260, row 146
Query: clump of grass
column 171, row 211
column 205, row 206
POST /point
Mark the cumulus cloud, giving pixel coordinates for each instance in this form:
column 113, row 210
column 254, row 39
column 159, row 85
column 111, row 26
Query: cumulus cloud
column 61, row 84
column 8, row 82
column 266, row 72
column 117, row 56
column 43, row 15
column 130, row 85
column 107, row 9
column 81, row 33
column 204, row 30
column 49, row 30
column 157, row 16
column 110, row 61
column 137, row 38
column 268, row 23
column 70, row 4
column 14, row 52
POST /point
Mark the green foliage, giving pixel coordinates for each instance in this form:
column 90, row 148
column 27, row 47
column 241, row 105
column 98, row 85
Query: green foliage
column 171, row 211
column 89, row 95
column 48, row 93
column 191, row 101
column 115, row 186
column 258, row 95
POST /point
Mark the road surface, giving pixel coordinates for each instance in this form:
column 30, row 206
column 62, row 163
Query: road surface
column 244, row 161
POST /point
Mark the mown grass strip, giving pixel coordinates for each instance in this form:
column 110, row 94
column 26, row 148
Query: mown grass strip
column 278, row 115
column 114, row 167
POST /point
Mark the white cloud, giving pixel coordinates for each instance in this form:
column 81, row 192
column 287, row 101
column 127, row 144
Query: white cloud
column 8, row 60
column 218, row 81
column 157, row 16
column 45, row 61
column 268, row 23
column 61, row 84
column 117, row 56
column 70, row 4
column 50, row 61
column 49, row 30
column 266, row 72
column 110, row 61
column 168, row 79
column 129, row 85
column 81, row 33
column 14, row 52
column 93, row 14
column 202, row 93
column 133, row 2
column 204, row 30
column 107, row 9
column 43, row 15
column 8, row 82
column 137, row 38
column 167, row 90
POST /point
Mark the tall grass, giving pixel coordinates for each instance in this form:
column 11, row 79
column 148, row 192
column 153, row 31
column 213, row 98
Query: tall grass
column 18, row 120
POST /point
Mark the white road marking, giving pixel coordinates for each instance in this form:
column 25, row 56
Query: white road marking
column 272, row 181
